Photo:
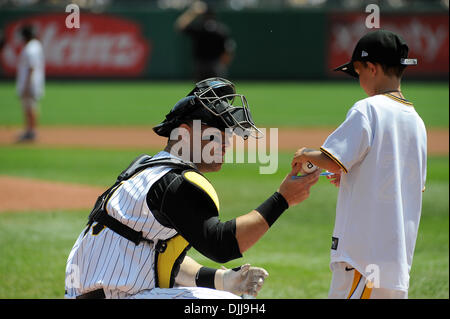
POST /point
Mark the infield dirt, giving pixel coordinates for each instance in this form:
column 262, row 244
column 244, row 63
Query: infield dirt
column 23, row 194
column 289, row 139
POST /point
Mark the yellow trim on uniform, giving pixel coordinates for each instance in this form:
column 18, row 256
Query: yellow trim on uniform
column 106, row 210
column 111, row 195
column 92, row 233
column 398, row 99
column 331, row 156
column 166, row 260
column 204, row 184
column 356, row 279
column 116, row 188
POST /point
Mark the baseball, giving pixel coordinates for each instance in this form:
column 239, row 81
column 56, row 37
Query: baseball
column 308, row 167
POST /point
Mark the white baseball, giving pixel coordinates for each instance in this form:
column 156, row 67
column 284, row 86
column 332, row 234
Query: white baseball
column 309, row 167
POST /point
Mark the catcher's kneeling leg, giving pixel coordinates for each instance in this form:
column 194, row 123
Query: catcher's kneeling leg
column 184, row 293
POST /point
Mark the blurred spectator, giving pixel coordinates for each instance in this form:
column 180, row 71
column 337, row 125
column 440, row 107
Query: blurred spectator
column 30, row 81
column 213, row 48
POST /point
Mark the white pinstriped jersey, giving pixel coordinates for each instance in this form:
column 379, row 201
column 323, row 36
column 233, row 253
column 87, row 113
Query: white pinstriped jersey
column 110, row 261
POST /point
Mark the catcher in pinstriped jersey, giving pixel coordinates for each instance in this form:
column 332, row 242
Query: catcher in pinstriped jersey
column 140, row 229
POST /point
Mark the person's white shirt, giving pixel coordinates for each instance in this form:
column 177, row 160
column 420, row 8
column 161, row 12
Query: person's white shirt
column 32, row 56
column 381, row 147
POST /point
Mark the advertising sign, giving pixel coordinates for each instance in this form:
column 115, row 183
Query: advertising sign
column 427, row 36
column 103, row 46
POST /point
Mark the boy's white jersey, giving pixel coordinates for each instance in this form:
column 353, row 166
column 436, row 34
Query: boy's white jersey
column 382, row 148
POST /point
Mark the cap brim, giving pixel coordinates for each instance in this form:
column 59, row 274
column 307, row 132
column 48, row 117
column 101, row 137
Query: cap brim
column 162, row 129
column 348, row 68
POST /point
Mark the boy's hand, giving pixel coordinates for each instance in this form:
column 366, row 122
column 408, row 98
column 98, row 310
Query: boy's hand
column 299, row 159
column 335, row 179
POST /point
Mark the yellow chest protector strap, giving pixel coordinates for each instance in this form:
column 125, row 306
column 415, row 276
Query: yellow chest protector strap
column 166, row 261
column 202, row 183
column 177, row 245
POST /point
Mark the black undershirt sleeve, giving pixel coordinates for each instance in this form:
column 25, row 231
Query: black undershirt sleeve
column 179, row 204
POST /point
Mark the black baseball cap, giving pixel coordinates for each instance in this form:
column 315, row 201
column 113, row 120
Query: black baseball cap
column 380, row 46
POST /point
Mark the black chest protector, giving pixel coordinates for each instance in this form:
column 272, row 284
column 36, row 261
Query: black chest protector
column 168, row 252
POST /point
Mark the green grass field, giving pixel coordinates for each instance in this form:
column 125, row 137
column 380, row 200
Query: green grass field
column 34, row 245
column 278, row 104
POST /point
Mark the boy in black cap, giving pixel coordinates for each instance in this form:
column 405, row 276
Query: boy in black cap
column 378, row 157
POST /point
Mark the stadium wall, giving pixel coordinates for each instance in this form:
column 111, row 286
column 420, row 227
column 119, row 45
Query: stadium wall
column 295, row 44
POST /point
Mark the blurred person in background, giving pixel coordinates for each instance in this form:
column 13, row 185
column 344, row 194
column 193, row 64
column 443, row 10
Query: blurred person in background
column 30, row 81
column 213, row 48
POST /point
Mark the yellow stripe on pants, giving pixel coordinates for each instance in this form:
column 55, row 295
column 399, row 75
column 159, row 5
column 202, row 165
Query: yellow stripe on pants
column 366, row 292
column 356, row 281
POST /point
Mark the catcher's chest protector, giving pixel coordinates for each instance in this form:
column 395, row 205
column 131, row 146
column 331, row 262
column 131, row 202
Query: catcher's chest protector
column 168, row 253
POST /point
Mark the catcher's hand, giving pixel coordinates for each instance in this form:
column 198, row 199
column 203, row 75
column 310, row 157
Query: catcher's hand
column 243, row 280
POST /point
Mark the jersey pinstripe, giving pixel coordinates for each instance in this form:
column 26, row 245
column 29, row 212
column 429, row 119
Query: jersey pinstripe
column 110, row 261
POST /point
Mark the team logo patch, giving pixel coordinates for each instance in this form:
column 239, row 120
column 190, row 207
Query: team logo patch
column 334, row 243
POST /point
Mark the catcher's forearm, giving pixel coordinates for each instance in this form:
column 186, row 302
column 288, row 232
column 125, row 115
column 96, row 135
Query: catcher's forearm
column 252, row 226
column 188, row 275
column 249, row 229
column 188, row 270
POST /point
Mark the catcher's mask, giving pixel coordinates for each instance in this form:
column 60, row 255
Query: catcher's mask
column 215, row 103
